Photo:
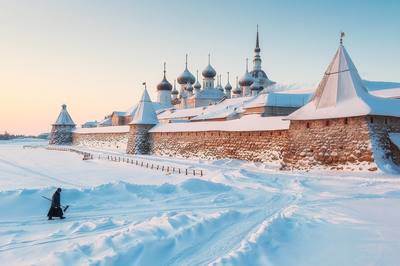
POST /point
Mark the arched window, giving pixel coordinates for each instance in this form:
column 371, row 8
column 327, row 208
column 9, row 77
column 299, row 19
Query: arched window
column 327, row 123
column 346, row 121
column 308, row 125
column 371, row 119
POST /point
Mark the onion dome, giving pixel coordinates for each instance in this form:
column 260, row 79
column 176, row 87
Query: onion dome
column 197, row 85
column 189, row 87
column 237, row 90
column 175, row 91
column 228, row 86
column 186, row 76
column 246, row 79
column 209, row 71
column 256, row 86
column 164, row 85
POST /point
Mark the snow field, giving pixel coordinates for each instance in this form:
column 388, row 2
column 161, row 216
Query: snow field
column 238, row 214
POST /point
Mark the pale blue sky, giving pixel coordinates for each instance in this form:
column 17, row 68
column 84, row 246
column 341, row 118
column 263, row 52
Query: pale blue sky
column 93, row 55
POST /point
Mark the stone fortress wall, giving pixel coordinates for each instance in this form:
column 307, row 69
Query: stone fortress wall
column 108, row 140
column 345, row 143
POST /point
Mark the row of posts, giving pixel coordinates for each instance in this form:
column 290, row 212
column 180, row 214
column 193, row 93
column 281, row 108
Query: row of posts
column 168, row 169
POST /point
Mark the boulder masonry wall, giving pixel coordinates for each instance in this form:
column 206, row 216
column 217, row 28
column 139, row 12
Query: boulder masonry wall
column 258, row 146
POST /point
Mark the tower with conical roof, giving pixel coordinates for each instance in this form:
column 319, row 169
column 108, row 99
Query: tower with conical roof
column 343, row 123
column 263, row 82
column 144, row 119
column 164, row 89
column 61, row 132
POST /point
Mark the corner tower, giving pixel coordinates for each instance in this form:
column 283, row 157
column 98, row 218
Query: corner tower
column 61, row 132
column 145, row 118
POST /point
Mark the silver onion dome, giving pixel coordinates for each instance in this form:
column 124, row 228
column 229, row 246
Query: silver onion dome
column 186, row 76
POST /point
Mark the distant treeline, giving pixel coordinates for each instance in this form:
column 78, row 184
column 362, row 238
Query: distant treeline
column 7, row 136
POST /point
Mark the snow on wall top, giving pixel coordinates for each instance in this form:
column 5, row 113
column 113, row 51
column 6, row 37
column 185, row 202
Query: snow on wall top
column 281, row 99
column 64, row 118
column 341, row 93
column 145, row 113
column 246, row 123
column 112, row 129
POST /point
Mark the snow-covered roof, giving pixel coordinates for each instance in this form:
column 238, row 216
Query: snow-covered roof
column 395, row 138
column 387, row 93
column 158, row 107
column 105, row 122
column 246, row 123
column 225, row 108
column 145, row 113
column 181, row 113
column 210, row 93
column 64, row 118
column 112, row 129
column 282, row 99
column 341, row 93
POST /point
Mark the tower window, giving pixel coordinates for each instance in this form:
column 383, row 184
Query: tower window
column 346, row 121
column 308, row 125
column 371, row 119
column 327, row 123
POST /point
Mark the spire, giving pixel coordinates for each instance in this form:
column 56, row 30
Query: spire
column 341, row 38
column 197, row 74
column 257, row 49
column 186, row 61
column 209, row 62
column 228, row 76
column 164, row 70
column 257, row 40
column 247, row 64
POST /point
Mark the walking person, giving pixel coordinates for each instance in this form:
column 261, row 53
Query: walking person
column 55, row 208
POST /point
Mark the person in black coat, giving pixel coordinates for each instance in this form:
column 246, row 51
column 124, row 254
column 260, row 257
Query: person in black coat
column 55, row 209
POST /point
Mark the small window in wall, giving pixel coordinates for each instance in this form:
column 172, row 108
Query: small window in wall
column 386, row 121
column 308, row 125
column 346, row 121
column 327, row 123
column 371, row 119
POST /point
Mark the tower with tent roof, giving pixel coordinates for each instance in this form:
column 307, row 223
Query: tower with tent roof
column 343, row 122
column 144, row 119
column 61, row 131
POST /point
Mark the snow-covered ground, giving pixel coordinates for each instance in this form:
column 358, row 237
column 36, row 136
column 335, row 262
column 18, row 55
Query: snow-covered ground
column 237, row 214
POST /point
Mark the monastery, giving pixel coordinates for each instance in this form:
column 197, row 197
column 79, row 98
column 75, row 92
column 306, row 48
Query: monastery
column 340, row 126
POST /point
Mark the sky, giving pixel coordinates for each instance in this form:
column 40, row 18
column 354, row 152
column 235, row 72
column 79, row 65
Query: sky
column 94, row 55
